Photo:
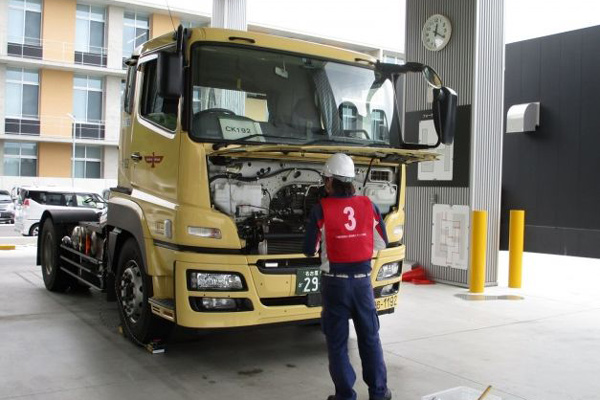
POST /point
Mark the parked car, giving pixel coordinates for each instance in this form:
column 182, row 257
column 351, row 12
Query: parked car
column 32, row 202
column 7, row 208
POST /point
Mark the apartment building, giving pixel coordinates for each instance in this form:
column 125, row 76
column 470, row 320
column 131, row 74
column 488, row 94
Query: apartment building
column 61, row 79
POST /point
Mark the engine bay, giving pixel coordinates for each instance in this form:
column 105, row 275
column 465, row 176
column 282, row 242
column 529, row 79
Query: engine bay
column 271, row 200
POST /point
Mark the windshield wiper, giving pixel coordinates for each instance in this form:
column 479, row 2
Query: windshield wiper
column 379, row 144
column 345, row 141
column 219, row 145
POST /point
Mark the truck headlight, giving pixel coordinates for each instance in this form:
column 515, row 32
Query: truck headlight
column 211, row 303
column 203, row 232
column 389, row 270
column 215, row 281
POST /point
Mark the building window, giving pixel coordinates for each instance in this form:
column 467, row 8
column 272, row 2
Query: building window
column 392, row 59
column 136, row 30
column 349, row 115
column 88, row 162
column 379, row 128
column 89, row 38
column 87, row 107
column 22, row 88
column 25, row 28
column 154, row 108
column 20, row 159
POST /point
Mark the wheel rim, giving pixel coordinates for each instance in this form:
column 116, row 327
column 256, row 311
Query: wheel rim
column 35, row 231
column 48, row 253
column 131, row 288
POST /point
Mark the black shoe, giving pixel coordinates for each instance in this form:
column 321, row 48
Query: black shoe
column 386, row 396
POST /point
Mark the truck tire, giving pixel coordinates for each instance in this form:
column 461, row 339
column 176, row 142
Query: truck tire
column 55, row 279
column 133, row 288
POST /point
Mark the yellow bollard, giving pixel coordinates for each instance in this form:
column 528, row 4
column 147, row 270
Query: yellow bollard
column 515, row 248
column 478, row 245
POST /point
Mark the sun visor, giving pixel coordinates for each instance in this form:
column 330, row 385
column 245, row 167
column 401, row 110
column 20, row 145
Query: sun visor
column 523, row 118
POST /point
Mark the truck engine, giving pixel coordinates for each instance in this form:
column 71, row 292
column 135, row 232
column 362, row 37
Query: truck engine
column 271, row 201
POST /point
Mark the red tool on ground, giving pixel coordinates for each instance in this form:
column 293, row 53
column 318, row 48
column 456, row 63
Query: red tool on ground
column 417, row 275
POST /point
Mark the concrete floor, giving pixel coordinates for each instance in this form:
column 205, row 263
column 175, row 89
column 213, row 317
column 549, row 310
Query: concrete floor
column 543, row 347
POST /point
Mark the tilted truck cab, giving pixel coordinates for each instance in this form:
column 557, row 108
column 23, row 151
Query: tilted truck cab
column 223, row 139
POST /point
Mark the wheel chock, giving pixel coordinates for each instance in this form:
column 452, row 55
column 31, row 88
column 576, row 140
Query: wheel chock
column 155, row 347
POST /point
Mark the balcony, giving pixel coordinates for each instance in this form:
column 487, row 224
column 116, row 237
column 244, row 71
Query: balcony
column 50, row 50
column 89, row 130
column 25, row 47
column 22, row 126
column 91, row 55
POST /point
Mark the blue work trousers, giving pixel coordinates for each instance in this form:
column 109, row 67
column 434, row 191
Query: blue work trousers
column 344, row 299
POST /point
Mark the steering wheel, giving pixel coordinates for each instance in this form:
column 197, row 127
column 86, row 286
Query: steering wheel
column 216, row 111
column 352, row 133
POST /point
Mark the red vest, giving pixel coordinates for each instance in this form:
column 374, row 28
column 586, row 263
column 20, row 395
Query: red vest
column 348, row 225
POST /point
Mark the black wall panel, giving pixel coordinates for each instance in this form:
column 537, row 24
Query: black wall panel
column 553, row 173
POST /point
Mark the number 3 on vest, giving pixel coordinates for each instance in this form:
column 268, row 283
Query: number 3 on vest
column 351, row 224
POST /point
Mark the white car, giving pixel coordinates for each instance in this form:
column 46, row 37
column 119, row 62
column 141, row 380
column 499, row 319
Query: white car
column 7, row 208
column 32, row 203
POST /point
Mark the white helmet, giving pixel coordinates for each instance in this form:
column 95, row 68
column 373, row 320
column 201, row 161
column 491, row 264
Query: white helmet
column 339, row 166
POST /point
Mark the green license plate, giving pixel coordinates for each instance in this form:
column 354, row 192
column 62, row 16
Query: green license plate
column 308, row 280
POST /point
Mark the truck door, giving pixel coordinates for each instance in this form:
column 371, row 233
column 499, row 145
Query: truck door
column 154, row 148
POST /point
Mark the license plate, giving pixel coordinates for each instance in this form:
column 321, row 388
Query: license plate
column 308, row 280
column 386, row 302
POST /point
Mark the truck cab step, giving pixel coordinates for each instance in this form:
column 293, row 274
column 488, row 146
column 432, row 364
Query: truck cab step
column 164, row 308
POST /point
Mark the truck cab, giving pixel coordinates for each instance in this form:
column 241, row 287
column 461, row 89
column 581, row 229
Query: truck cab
column 224, row 135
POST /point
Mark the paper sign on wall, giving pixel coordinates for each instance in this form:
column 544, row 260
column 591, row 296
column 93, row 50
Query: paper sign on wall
column 450, row 244
column 441, row 169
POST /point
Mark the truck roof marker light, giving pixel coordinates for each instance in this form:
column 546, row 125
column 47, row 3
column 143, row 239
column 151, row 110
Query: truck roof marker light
column 203, row 232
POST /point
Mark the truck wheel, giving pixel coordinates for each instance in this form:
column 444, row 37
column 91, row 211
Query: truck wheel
column 133, row 288
column 34, row 230
column 55, row 279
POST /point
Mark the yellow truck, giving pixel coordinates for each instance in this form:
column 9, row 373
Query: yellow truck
column 223, row 138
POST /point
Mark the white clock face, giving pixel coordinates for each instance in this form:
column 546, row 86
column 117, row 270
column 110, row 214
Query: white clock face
column 436, row 32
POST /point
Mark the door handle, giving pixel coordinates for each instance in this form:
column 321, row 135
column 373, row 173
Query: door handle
column 136, row 156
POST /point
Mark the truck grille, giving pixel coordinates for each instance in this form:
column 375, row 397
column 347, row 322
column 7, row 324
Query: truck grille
column 286, row 246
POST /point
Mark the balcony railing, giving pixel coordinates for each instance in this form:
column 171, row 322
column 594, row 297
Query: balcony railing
column 22, row 126
column 61, row 127
column 89, row 130
column 52, row 50
column 25, row 47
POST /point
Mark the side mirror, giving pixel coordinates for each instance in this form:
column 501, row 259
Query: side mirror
column 445, row 100
column 444, row 113
column 169, row 71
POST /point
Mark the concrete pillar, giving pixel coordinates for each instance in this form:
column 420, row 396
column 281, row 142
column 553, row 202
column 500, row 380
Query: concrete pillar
column 58, row 30
column 472, row 64
column 230, row 14
column 3, row 26
column 161, row 24
column 115, row 37
column 112, row 108
column 54, row 160
column 2, row 163
column 56, row 101
column 2, row 96
column 111, row 162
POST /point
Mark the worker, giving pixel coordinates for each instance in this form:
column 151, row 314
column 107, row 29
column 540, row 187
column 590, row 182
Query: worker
column 348, row 229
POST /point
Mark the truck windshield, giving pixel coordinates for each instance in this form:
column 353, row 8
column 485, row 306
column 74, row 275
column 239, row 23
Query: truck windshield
column 249, row 95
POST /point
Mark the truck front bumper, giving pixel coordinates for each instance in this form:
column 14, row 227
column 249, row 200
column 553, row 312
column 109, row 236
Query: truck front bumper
column 268, row 297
